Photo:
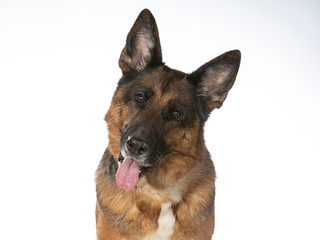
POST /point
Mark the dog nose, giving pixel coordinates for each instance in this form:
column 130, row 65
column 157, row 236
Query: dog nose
column 136, row 146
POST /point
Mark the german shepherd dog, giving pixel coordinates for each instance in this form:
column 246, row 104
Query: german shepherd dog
column 156, row 179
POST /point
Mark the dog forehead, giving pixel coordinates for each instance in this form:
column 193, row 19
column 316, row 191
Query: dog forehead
column 164, row 84
column 167, row 83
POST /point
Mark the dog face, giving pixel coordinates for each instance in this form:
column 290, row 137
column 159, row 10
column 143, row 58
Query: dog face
column 162, row 114
column 158, row 112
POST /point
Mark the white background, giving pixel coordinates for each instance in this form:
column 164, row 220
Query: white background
column 58, row 71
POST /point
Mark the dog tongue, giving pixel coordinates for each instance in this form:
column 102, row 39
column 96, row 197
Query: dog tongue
column 127, row 175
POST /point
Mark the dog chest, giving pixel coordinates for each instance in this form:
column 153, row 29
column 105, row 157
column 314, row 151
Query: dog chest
column 166, row 222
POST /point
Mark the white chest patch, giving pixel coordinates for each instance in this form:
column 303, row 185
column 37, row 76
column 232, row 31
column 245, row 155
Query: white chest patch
column 166, row 221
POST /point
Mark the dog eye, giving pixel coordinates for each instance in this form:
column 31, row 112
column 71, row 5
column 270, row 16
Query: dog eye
column 139, row 97
column 176, row 114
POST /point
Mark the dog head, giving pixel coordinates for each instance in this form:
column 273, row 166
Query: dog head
column 156, row 111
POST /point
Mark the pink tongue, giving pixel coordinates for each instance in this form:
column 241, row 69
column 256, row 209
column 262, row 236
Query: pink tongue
column 128, row 174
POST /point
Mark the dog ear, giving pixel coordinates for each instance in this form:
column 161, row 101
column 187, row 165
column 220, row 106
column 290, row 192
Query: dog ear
column 142, row 47
column 214, row 79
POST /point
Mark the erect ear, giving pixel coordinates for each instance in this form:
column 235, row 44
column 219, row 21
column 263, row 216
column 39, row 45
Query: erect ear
column 214, row 79
column 142, row 47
